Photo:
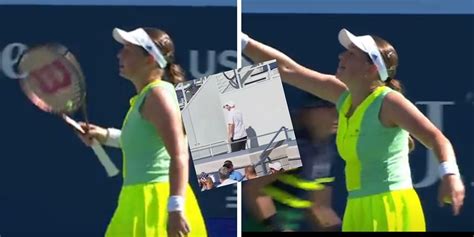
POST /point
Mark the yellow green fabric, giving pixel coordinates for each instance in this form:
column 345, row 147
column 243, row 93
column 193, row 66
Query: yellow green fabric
column 398, row 210
column 286, row 198
column 300, row 183
column 377, row 169
column 376, row 156
column 142, row 212
column 293, row 191
column 145, row 157
column 142, row 205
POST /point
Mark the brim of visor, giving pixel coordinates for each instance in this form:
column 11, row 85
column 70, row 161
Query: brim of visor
column 124, row 37
column 274, row 166
column 346, row 38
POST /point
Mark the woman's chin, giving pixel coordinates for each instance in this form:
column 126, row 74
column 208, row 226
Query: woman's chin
column 123, row 73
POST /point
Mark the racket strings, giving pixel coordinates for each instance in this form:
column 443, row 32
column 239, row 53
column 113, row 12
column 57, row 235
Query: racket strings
column 54, row 80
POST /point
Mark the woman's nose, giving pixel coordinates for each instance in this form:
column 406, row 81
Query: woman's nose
column 341, row 55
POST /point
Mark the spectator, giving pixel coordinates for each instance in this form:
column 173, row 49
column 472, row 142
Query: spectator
column 234, row 175
column 208, row 183
column 275, row 167
column 236, row 134
column 250, row 172
column 224, row 174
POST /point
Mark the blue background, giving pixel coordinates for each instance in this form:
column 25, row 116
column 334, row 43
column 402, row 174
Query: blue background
column 125, row 2
column 50, row 183
column 359, row 6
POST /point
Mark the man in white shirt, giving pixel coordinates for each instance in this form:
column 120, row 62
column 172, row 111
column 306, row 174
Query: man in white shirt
column 236, row 133
column 224, row 174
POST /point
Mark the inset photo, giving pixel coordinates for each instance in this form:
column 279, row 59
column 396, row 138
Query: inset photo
column 238, row 125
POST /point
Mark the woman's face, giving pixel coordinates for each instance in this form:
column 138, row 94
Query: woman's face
column 131, row 60
column 353, row 63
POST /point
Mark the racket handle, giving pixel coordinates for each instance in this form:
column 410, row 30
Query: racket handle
column 99, row 151
column 104, row 159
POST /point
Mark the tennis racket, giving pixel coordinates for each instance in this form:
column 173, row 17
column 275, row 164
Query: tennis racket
column 55, row 83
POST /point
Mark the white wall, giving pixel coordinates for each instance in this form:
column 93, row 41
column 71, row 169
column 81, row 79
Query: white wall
column 203, row 116
column 263, row 106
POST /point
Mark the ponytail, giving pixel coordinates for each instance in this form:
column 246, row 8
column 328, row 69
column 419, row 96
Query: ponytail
column 394, row 84
column 174, row 73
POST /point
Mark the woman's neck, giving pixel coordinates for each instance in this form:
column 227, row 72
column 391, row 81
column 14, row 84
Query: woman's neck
column 360, row 91
column 141, row 82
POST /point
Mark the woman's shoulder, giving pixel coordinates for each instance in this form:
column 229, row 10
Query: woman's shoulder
column 163, row 84
column 163, row 87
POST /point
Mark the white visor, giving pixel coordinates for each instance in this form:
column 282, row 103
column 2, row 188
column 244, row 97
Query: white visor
column 230, row 103
column 367, row 44
column 275, row 165
column 140, row 37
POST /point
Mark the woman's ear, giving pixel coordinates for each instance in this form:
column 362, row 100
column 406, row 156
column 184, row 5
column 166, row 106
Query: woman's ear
column 150, row 59
column 373, row 69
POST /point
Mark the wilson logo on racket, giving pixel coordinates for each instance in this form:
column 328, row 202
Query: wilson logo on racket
column 54, row 82
column 52, row 77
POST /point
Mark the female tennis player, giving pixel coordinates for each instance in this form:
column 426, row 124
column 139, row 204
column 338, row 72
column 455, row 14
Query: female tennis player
column 156, row 199
column 375, row 121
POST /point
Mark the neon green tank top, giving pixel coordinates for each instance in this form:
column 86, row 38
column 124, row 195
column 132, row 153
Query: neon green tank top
column 376, row 156
column 145, row 158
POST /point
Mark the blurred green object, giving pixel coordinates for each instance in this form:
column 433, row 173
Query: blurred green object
column 292, row 219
